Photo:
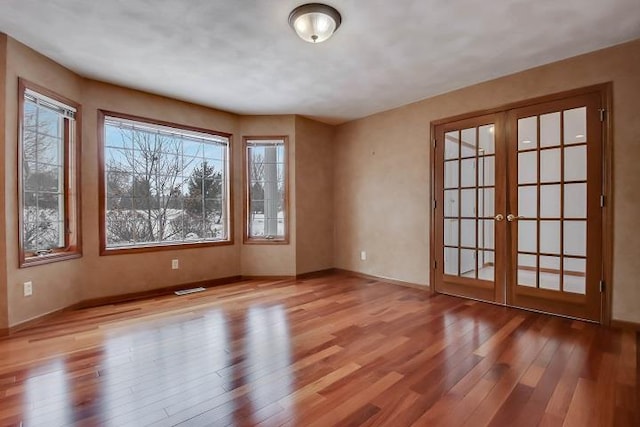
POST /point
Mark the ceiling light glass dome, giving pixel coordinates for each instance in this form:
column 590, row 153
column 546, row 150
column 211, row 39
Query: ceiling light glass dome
column 315, row 22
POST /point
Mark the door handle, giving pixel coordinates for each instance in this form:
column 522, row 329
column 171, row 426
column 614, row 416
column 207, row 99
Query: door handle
column 499, row 217
column 512, row 217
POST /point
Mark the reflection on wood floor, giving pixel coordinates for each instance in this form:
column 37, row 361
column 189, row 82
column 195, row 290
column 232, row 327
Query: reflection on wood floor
column 334, row 350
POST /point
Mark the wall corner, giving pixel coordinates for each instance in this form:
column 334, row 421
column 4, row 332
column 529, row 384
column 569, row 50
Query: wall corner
column 4, row 296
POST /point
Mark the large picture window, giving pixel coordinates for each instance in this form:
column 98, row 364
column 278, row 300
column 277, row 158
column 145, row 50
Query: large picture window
column 48, row 165
column 266, row 190
column 164, row 185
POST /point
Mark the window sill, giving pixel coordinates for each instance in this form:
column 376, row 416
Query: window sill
column 33, row 261
column 258, row 241
column 162, row 247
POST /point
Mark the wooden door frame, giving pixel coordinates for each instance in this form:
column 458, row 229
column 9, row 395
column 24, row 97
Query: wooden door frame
column 605, row 91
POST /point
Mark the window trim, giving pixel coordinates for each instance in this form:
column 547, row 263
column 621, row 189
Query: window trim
column 157, row 247
column 72, row 181
column 247, row 240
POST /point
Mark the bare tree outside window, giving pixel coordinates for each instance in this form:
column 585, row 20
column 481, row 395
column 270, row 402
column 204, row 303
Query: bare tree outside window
column 163, row 185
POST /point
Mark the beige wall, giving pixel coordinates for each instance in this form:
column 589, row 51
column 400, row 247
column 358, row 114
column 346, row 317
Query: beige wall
column 120, row 274
column 3, row 259
column 314, row 196
column 272, row 259
column 381, row 196
column 382, row 170
column 310, row 162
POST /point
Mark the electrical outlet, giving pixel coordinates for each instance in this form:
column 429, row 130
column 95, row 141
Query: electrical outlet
column 363, row 255
column 175, row 264
column 28, row 289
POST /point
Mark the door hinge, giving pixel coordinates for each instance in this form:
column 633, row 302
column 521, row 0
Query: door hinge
column 435, row 142
column 434, row 203
column 603, row 286
column 602, row 200
column 435, row 265
column 603, row 113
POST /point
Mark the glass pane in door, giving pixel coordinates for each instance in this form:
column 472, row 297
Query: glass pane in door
column 469, row 203
column 552, row 201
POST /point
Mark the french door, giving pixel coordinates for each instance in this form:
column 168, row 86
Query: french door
column 518, row 217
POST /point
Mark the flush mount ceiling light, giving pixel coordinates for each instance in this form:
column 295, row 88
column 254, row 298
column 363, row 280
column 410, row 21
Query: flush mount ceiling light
column 315, row 22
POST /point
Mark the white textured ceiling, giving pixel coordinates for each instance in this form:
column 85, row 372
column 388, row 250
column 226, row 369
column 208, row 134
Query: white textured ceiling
column 241, row 55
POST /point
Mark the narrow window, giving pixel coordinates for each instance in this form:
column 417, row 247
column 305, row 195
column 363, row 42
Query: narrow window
column 163, row 185
column 48, row 177
column 266, row 190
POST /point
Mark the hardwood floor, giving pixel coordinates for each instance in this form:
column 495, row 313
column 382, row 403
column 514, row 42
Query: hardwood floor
column 333, row 350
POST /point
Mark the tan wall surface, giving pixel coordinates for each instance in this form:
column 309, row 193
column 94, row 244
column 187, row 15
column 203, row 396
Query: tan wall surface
column 382, row 170
column 381, row 196
column 276, row 260
column 4, row 316
column 314, row 196
column 121, row 274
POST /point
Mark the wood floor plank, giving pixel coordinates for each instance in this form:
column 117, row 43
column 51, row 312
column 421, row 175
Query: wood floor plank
column 359, row 400
column 329, row 350
column 583, row 405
